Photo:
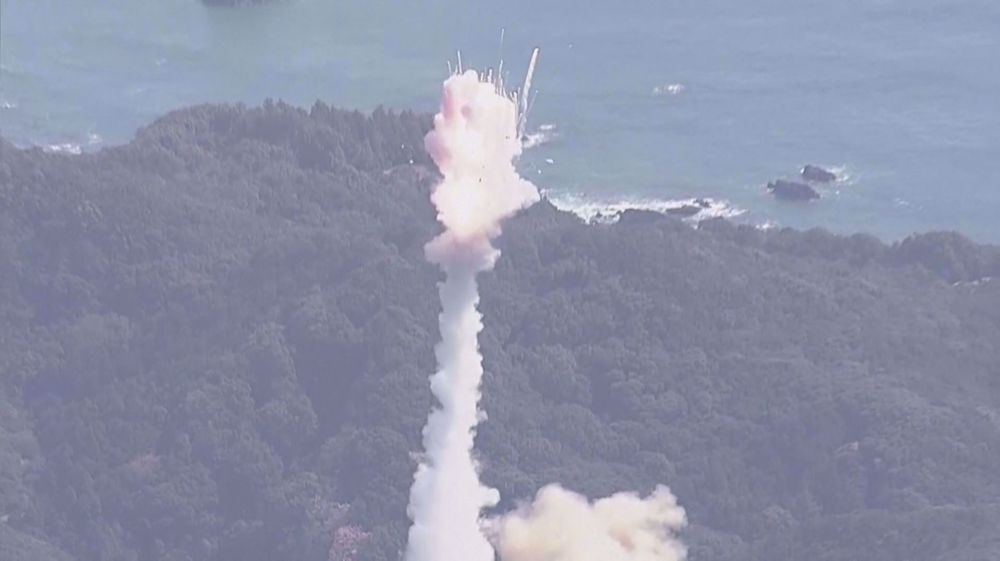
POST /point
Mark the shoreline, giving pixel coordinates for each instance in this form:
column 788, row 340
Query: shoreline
column 590, row 209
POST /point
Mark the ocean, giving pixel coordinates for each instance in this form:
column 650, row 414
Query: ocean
column 643, row 103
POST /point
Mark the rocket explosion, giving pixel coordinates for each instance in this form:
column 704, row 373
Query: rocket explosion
column 475, row 141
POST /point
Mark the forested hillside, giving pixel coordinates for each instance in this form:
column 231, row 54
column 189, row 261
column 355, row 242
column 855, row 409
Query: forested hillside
column 215, row 343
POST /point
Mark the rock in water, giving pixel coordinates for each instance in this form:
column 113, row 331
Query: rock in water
column 691, row 209
column 685, row 211
column 792, row 190
column 817, row 174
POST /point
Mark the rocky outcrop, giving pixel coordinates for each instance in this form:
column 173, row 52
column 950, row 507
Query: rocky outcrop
column 819, row 175
column 792, row 190
column 689, row 210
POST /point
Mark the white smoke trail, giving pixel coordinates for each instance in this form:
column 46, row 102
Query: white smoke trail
column 474, row 144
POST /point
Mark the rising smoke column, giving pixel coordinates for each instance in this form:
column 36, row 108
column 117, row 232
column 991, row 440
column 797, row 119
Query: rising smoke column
column 474, row 144
column 475, row 141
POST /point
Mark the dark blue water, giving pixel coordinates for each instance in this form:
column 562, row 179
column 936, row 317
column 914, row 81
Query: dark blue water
column 649, row 100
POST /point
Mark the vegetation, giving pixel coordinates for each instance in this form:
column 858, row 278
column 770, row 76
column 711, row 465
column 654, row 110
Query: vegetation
column 215, row 343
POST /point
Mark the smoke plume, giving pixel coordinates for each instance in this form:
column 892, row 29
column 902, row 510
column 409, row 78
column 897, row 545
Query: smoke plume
column 474, row 144
column 564, row 526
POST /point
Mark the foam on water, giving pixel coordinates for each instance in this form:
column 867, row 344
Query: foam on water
column 63, row 148
column 843, row 173
column 668, row 89
column 72, row 148
column 543, row 135
column 610, row 210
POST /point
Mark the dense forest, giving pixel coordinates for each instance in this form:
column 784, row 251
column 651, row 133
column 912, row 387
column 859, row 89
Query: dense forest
column 215, row 343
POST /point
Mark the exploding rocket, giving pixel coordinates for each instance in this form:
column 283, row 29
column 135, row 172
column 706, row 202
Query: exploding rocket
column 475, row 142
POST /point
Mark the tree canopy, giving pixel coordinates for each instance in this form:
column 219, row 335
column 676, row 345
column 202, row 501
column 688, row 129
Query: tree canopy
column 216, row 341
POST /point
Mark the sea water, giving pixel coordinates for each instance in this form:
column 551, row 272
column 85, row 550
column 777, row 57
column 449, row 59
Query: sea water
column 636, row 103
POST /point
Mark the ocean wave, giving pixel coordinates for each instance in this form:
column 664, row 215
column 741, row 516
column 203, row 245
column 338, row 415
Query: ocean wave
column 4, row 104
column 668, row 89
column 978, row 282
column 73, row 148
column 605, row 211
column 546, row 133
column 63, row 148
column 843, row 173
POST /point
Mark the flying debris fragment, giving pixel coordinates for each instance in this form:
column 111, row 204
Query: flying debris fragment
column 524, row 96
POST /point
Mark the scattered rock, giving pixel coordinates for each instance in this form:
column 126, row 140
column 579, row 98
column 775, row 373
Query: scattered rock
column 817, row 174
column 792, row 190
column 639, row 216
column 689, row 210
column 685, row 211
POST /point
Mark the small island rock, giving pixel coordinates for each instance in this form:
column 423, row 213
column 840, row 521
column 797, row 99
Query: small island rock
column 817, row 174
column 792, row 190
